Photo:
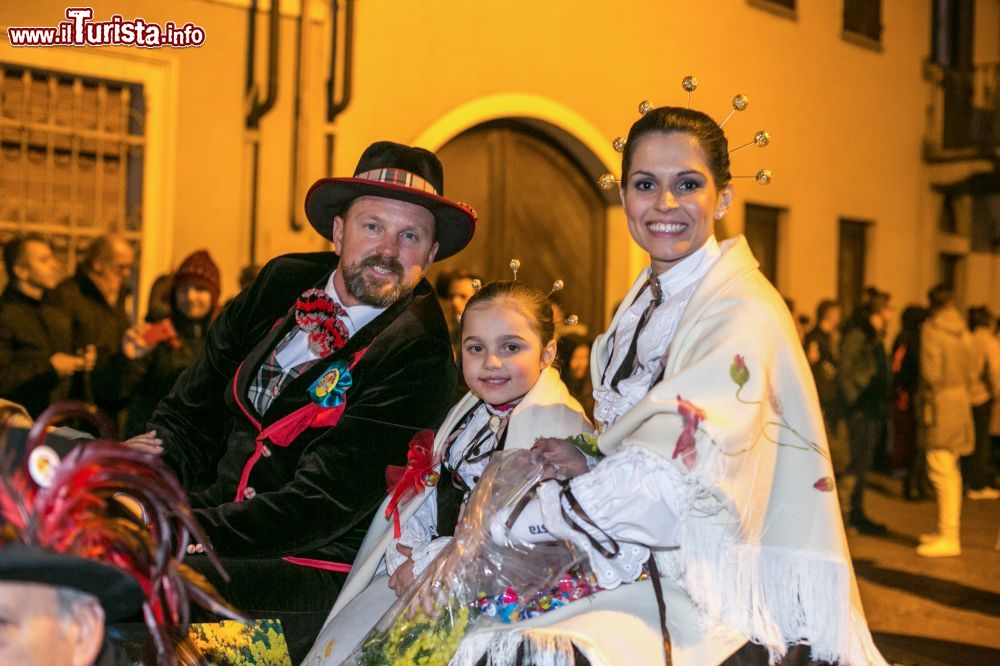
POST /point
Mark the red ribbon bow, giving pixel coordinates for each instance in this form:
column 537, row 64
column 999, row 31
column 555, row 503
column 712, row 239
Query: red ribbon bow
column 405, row 482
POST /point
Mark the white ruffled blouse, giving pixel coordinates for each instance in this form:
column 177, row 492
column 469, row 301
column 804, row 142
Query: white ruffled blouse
column 678, row 285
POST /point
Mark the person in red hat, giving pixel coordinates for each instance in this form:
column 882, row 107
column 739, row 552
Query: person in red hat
column 153, row 355
column 311, row 382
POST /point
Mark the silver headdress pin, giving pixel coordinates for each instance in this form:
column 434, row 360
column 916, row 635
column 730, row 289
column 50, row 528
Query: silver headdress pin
column 740, row 103
column 515, row 266
column 689, row 83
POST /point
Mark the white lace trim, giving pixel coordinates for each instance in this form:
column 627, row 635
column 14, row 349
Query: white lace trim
column 471, row 471
column 612, row 404
column 424, row 553
column 625, row 567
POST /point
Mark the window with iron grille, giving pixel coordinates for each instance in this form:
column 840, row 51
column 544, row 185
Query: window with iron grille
column 863, row 18
column 71, row 158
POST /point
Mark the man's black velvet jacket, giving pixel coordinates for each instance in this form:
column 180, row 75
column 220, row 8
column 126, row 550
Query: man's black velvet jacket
column 314, row 498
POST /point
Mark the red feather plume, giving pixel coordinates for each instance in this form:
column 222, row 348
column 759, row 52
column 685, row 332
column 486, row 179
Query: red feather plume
column 79, row 515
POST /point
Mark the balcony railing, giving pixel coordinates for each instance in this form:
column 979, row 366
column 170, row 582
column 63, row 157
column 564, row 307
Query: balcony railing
column 964, row 114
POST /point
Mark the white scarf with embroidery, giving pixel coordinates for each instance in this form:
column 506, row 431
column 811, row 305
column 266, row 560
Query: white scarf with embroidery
column 737, row 417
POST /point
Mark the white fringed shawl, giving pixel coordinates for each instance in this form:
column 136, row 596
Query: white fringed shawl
column 763, row 549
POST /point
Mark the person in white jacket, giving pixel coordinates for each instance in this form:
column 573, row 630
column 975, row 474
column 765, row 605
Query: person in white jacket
column 947, row 373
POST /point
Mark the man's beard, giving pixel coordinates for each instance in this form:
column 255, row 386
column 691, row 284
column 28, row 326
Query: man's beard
column 377, row 293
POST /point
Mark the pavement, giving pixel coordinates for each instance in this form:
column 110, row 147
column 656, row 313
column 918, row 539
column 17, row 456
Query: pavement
column 929, row 612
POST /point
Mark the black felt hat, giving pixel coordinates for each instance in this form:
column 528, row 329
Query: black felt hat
column 394, row 171
column 119, row 593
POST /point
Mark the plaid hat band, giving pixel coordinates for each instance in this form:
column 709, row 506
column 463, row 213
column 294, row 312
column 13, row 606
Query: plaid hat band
column 393, row 171
column 398, row 177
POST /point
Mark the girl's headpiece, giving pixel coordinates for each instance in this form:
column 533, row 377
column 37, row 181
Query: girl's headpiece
column 515, row 266
column 740, row 102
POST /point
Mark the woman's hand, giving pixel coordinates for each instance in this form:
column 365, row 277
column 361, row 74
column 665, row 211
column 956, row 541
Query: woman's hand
column 563, row 460
column 402, row 578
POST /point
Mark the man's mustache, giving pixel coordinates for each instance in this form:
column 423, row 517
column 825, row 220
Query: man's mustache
column 378, row 261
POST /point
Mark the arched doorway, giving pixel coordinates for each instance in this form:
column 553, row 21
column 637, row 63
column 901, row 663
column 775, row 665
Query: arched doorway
column 536, row 203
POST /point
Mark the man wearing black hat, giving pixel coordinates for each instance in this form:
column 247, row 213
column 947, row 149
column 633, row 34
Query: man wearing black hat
column 311, row 382
column 53, row 607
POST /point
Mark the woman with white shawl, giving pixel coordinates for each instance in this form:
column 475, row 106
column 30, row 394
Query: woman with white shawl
column 713, row 472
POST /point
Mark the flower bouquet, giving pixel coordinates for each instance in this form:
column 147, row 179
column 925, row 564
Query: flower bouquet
column 477, row 578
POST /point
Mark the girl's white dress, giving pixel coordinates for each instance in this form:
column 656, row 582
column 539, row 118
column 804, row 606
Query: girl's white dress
column 547, row 410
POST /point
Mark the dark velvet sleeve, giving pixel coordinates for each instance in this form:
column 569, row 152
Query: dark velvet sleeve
column 191, row 419
column 340, row 480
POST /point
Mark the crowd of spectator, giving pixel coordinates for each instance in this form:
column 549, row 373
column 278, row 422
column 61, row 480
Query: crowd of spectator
column 925, row 406
column 74, row 338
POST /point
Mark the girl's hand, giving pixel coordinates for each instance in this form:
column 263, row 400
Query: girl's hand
column 446, row 570
column 564, row 460
column 402, row 578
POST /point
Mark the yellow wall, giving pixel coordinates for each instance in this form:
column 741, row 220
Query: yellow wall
column 985, row 45
column 846, row 121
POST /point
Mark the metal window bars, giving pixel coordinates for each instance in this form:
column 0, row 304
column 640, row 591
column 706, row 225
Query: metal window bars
column 71, row 158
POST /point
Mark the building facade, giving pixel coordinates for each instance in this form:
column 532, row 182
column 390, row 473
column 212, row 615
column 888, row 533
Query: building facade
column 522, row 100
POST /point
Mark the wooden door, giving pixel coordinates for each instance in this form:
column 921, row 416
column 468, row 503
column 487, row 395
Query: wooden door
column 536, row 204
column 852, row 259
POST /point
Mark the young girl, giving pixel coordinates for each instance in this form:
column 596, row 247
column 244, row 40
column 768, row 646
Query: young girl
column 515, row 396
